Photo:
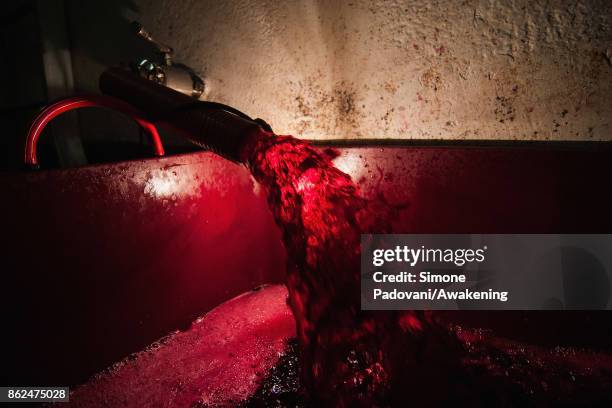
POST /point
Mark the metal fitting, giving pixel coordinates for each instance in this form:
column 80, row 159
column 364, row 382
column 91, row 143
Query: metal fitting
column 177, row 76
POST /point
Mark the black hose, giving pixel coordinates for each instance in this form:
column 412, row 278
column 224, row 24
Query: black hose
column 218, row 105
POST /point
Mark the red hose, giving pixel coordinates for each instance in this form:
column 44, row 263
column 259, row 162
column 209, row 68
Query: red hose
column 75, row 102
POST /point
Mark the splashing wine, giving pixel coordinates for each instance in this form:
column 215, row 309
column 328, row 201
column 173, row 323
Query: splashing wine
column 349, row 357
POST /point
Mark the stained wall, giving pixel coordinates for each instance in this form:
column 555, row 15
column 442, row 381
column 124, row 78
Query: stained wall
column 472, row 69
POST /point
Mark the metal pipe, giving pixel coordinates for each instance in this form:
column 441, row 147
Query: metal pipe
column 75, row 102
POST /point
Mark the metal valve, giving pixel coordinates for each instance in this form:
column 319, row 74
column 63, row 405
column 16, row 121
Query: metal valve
column 177, row 76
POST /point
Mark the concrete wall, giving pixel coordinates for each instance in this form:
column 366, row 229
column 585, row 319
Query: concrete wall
column 472, row 69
